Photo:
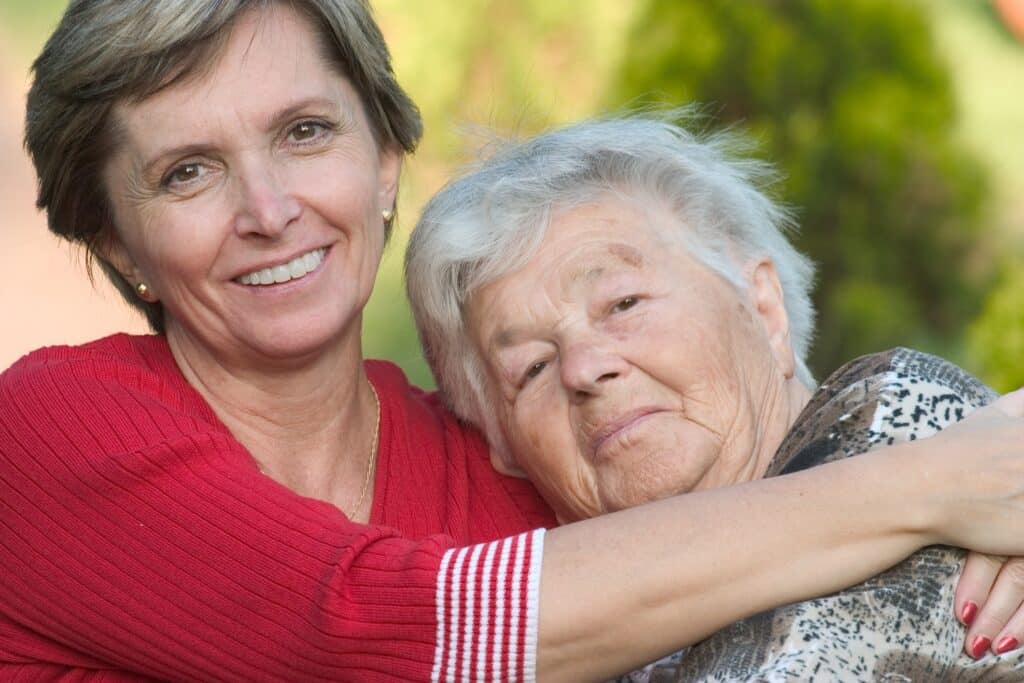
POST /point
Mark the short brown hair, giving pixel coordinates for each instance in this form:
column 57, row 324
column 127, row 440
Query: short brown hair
column 108, row 51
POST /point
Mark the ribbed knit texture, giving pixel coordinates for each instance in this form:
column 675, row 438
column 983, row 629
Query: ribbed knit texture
column 137, row 535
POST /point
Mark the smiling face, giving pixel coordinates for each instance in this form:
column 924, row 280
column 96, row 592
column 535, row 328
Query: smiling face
column 248, row 198
column 623, row 370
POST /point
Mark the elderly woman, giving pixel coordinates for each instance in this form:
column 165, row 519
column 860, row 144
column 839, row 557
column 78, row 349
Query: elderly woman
column 617, row 306
column 240, row 496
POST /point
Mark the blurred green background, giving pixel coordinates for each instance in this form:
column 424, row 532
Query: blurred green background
column 898, row 125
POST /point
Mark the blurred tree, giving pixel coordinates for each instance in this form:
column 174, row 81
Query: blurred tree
column 854, row 104
column 517, row 66
column 996, row 339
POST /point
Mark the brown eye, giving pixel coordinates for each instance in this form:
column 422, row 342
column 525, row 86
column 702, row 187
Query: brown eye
column 534, row 370
column 307, row 131
column 624, row 305
column 304, row 131
column 184, row 174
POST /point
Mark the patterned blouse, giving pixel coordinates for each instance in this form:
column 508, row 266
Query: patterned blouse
column 897, row 626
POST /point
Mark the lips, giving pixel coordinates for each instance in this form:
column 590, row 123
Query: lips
column 619, row 427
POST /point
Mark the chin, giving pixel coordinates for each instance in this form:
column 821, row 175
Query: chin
column 293, row 343
column 641, row 490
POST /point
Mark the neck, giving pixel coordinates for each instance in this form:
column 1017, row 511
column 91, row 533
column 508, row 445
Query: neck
column 309, row 423
column 748, row 451
column 784, row 410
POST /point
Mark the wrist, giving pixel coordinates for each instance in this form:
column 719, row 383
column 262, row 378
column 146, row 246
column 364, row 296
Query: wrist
column 900, row 488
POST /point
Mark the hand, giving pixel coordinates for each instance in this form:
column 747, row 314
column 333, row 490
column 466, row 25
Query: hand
column 989, row 601
column 972, row 474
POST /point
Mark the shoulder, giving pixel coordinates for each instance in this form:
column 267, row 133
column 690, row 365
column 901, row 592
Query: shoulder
column 899, row 376
column 915, row 368
column 877, row 400
column 922, row 394
column 119, row 356
column 115, row 394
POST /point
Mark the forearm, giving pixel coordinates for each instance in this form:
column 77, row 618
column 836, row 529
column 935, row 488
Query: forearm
column 624, row 589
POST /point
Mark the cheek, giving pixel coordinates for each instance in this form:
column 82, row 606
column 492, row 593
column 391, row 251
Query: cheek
column 671, row 350
column 531, row 430
column 347, row 181
column 188, row 231
column 541, row 438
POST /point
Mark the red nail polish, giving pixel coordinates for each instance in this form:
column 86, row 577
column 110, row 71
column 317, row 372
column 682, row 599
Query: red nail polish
column 970, row 611
column 979, row 646
column 1006, row 643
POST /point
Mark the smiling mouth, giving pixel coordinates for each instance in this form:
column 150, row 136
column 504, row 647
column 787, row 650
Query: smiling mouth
column 297, row 268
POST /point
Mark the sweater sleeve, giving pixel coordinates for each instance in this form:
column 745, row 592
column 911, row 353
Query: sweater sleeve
column 133, row 537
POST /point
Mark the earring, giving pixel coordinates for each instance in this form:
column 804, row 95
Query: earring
column 142, row 290
column 387, row 214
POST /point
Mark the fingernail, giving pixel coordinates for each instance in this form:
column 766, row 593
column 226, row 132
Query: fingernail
column 970, row 611
column 1005, row 644
column 979, row 646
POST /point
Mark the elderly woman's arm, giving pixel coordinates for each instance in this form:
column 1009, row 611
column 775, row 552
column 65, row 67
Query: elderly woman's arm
column 614, row 598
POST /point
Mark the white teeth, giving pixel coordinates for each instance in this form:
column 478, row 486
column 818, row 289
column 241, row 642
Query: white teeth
column 293, row 270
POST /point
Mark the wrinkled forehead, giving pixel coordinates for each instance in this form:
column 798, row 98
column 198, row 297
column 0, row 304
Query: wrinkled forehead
column 592, row 264
column 586, row 249
column 582, row 272
column 579, row 241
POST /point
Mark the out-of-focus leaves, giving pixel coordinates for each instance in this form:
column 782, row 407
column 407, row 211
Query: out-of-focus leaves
column 852, row 100
column 996, row 339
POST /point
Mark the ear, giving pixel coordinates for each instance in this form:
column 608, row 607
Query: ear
column 112, row 250
column 390, row 169
column 504, row 463
column 770, row 306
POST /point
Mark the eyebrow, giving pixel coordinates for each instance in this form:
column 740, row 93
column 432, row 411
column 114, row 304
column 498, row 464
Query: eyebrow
column 622, row 253
column 196, row 148
column 507, row 337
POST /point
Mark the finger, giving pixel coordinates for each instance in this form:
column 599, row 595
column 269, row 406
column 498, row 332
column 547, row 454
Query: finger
column 993, row 628
column 1011, row 636
column 1012, row 403
column 980, row 572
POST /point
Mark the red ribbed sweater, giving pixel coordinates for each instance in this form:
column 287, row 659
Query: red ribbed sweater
column 138, row 539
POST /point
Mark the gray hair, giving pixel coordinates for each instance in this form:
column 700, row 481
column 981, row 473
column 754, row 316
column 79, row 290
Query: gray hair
column 491, row 221
column 108, row 51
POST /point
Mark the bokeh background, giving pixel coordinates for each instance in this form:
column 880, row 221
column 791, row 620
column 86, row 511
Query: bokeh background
column 898, row 126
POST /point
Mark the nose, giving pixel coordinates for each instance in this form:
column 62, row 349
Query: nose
column 588, row 368
column 266, row 206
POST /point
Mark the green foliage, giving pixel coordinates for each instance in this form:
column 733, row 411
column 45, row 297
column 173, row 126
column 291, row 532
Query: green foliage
column 852, row 101
column 849, row 98
column 26, row 22
column 996, row 339
column 517, row 66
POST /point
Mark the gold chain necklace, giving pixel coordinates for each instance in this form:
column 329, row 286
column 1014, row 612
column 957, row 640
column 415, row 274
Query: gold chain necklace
column 370, row 466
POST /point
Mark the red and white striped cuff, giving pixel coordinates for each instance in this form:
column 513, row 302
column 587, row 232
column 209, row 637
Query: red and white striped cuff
column 487, row 605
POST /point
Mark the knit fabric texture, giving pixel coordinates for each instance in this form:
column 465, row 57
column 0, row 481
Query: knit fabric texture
column 139, row 541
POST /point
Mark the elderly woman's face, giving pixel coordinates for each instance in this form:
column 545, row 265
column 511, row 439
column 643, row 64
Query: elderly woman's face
column 623, row 369
column 248, row 198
